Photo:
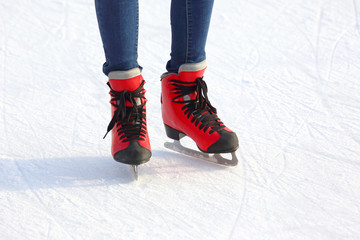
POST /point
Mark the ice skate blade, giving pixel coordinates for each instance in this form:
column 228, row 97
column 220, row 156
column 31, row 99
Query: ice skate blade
column 213, row 158
column 134, row 167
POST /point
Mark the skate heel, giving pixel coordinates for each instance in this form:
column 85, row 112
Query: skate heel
column 173, row 134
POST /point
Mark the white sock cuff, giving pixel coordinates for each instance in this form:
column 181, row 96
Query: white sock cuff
column 193, row 67
column 121, row 75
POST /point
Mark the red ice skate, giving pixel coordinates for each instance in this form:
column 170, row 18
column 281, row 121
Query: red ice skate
column 130, row 140
column 187, row 111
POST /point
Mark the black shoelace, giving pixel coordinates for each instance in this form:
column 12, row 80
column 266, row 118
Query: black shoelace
column 200, row 108
column 132, row 119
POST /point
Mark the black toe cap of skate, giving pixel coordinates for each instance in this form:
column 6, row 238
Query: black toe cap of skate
column 134, row 154
column 228, row 142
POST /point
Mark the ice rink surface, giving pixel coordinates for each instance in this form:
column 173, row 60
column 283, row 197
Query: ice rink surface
column 284, row 75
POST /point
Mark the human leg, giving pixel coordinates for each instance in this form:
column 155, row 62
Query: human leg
column 186, row 108
column 190, row 20
column 118, row 23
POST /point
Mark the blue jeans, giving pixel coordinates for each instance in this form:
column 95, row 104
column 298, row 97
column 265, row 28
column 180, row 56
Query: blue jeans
column 119, row 23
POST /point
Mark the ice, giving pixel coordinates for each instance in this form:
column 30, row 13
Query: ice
column 283, row 74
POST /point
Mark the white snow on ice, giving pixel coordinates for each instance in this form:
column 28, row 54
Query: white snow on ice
column 285, row 75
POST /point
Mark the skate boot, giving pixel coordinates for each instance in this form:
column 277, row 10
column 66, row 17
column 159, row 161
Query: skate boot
column 187, row 111
column 130, row 141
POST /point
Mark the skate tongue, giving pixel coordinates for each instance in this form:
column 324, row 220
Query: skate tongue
column 128, row 80
column 188, row 72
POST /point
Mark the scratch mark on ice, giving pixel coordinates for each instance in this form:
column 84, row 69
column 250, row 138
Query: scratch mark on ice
column 46, row 210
